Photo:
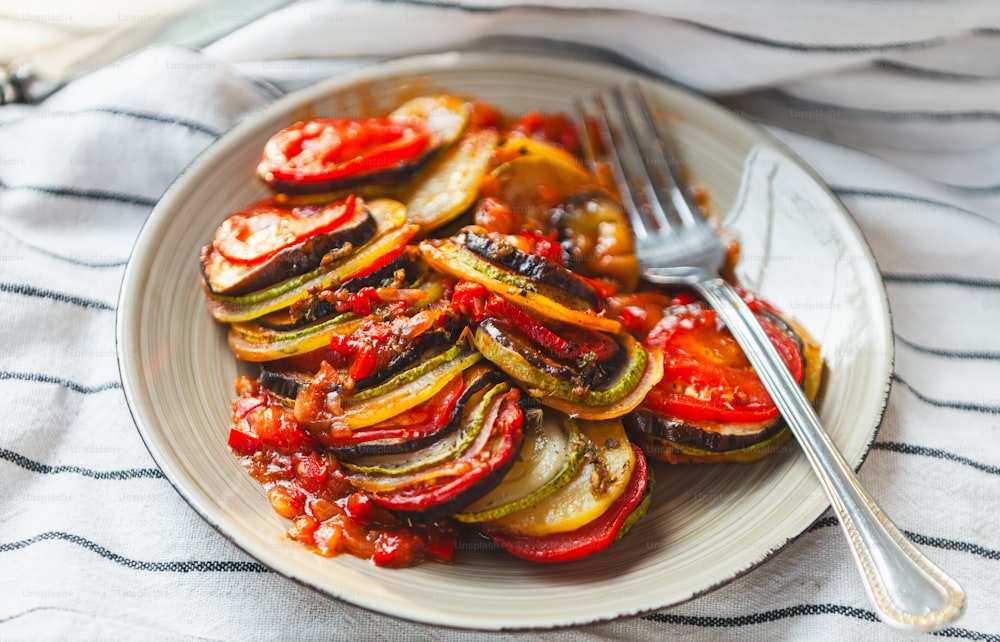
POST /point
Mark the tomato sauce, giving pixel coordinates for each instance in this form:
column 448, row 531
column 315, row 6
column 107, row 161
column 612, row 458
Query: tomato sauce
column 307, row 485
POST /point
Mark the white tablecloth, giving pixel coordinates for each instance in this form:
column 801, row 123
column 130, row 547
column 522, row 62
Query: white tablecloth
column 895, row 104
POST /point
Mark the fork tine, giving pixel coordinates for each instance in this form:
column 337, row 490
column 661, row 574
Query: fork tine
column 661, row 163
column 641, row 183
column 640, row 227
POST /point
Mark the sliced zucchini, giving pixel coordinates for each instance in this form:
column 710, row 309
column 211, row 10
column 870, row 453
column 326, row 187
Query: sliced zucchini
column 640, row 370
column 409, row 389
column 254, row 342
column 388, row 472
column 451, row 184
column 605, row 474
column 550, row 458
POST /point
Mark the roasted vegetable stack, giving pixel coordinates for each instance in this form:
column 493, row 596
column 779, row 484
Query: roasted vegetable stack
column 447, row 313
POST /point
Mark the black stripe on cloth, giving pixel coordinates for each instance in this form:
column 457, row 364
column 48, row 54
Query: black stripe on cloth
column 974, row 355
column 189, row 566
column 735, row 35
column 113, row 263
column 836, row 110
column 123, row 113
column 924, row 540
column 61, row 297
column 902, row 196
column 926, row 72
column 35, row 377
column 103, row 475
column 941, row 279
column 92, row 194
column 60, row 609
column 967, row 406
column 799, row 610
column 912, row 449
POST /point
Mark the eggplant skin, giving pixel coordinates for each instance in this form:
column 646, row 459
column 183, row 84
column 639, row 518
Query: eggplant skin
column 590, row 375
column 225, row 277
column 426, row 346
column 536, row 268
column 476, row 490
column 397, row 446
column 710, row 436
column 705, row 436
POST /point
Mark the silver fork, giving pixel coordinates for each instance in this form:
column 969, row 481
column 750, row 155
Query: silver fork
column 675, row 245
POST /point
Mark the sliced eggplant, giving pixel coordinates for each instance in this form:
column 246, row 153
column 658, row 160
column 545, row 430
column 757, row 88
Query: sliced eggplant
column 284, row 385
column 381, row 473
column 552, row 303
column 550, row 458
column 675, row 453
column 393, row 234
column 425, row 346
column 493, row 247
column 390, row 437
column 442, row 489
column 607, row 469
column 579, row 376
column 450, row 185
column 223, row 276
column 703, row 435
column 640, row 369
column 678, row 441
column 316, row 307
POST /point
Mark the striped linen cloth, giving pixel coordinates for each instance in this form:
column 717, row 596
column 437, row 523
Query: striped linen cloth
column 895, row 104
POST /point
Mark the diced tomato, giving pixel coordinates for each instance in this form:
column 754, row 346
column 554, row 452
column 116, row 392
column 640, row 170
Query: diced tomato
column 707, row 376
column 243, row 443
column 469, row 299
column 496, row 216
column 547, row 247
column 286, row 501
column 360, row 507
column 324, row 149
column 278, row 430
column 396, row 548
column 555, row 128
column 263, row 229
column 484, row 116
column 588, row 539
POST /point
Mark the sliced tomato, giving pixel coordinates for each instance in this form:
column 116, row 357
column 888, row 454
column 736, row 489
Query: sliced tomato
column 706, row 375
column 263, row 229
column 324, row 149
column 590, row 538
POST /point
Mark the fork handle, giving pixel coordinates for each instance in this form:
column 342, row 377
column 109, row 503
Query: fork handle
column 908, row 590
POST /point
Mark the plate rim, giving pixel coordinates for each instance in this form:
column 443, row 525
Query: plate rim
column 136, row 273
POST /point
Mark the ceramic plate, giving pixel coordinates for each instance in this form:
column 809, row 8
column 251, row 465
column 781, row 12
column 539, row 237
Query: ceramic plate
column 706, row 525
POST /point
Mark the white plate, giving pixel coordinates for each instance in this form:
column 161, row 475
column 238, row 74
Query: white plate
column 706, row 525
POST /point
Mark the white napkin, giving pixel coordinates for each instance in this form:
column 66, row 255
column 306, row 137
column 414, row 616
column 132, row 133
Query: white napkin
column 896, row 105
